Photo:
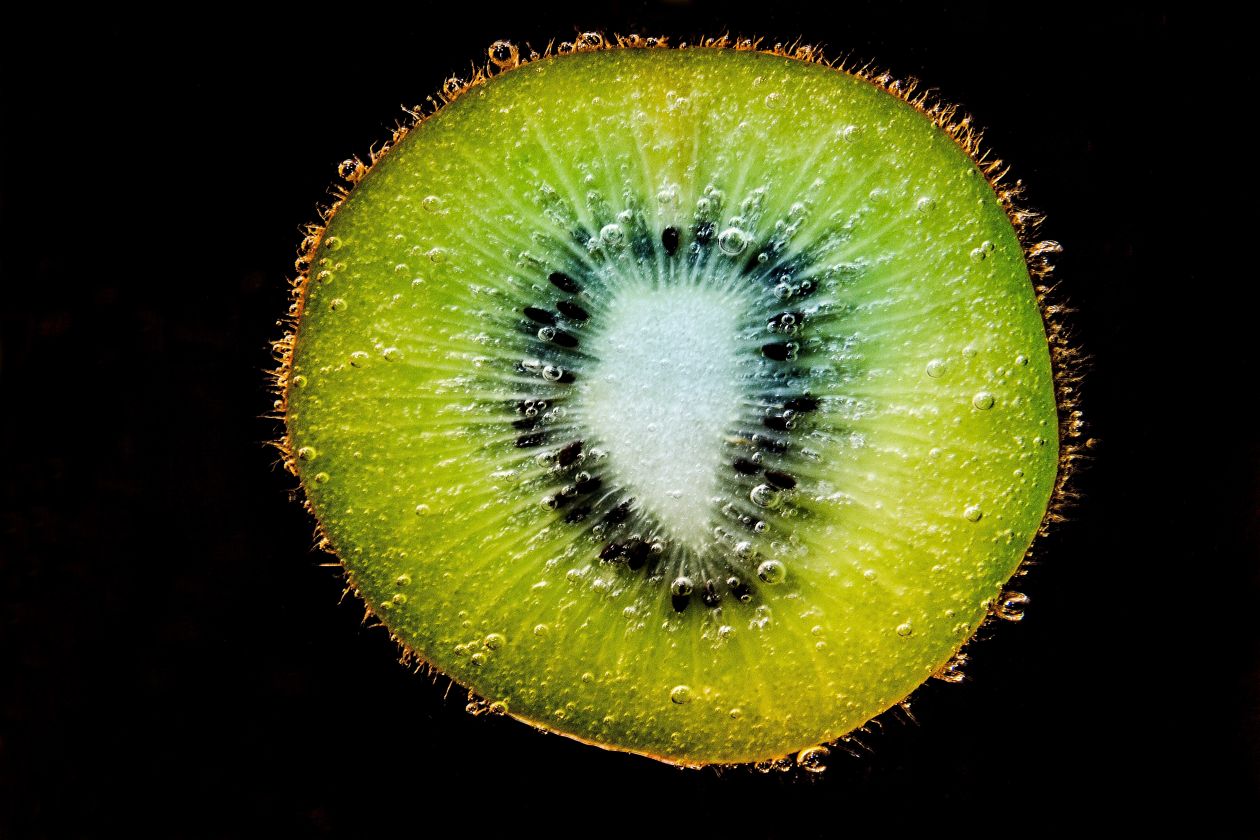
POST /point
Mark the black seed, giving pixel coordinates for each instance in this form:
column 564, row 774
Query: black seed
column 776, row 423
column 710, row 595
column 704, row 232
column 779, row 351
column 564, row 282
column 525, row 423
column 780, row 479
column 744, row 466
column 611, row 552
column 739, row 589
column 525, row 441
column 572, row 311
column 588, row 484
column 566, row 378
column 669, row 238
column 620, row 513
column 569, row 454
column 577, row 514
column 564, row 339
column 802, row 403
column 542, row 316
column 680, row 602
column 636, row 552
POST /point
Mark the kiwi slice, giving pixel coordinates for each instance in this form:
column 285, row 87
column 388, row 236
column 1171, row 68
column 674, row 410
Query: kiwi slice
column 691, row 402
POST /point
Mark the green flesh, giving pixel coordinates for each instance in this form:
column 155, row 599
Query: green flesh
column 922, row 475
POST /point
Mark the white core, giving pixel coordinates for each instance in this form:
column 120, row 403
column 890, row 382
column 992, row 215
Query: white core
column 662, row 396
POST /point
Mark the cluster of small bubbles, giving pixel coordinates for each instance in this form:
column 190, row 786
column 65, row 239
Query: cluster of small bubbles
column 494, row 641
column 925, row 204
column 774, row 100
column 982, row 253
column 504, row 54
column 391, row 354
column 904, row 629
column 763, row 495
column 785, row 323
column 552, row 373
column 760, row 619
column 813, row 760
column 772, row 571
column 358, row 358
column 307, row 453
column 680, row 694
column 983, row 400
column 668, row 194
column 541, row 630
column 936, row 368
column 321, row 478
column 681, row 586
column 337, row 304
column 972, row 513
column 403, row 580
column 1011, row 606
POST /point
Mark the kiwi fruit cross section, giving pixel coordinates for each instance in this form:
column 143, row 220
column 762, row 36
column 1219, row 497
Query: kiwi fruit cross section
column 696, row 403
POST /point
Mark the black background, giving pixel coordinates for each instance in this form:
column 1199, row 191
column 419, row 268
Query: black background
column 174, row 658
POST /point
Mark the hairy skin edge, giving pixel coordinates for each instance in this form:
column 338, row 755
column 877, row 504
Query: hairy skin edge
column 1067, row 363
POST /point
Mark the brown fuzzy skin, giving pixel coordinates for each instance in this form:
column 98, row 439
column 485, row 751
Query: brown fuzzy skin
column 1067, row 361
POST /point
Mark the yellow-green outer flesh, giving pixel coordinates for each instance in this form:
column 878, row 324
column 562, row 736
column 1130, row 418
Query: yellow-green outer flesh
column 894, row 548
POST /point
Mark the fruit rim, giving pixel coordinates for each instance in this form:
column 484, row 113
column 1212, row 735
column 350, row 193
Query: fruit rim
column 1067, row 362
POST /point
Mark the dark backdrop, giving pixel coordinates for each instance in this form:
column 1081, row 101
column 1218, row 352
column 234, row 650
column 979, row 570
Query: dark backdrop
column 172, row 655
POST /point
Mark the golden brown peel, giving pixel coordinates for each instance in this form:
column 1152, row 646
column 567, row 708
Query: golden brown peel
column 709, row 742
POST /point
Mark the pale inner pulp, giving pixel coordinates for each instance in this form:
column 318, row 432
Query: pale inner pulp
column 663, row 394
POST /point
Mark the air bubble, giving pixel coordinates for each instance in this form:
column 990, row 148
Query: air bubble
column 983, row 400
column 612, row 234
column 774, row 100
column 391, row 354
column 494, row 641
column 972, row 513
column 541, row 630
column 926, row 204
column 478, row 659
column 504, row 54
column 498, row 707
column 681, row 586
column 982, row 253
column 403, row 580
column 869, row 574
column 813, row 760
column 358, row 358
column 321, row 478
column 399, row 599
column 337, row 304
column 732, row 241
column 936, row 368
column 1011, row 606
column 1021, row 360
column 763, row 495
column 299, row 381
column 333, row 243
column 772, row 572
column 680, row 694
column 552, row 373
column 904, row 629
column 431, row 203
column 307, row 453
column 437, row 255
column 547, row 333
